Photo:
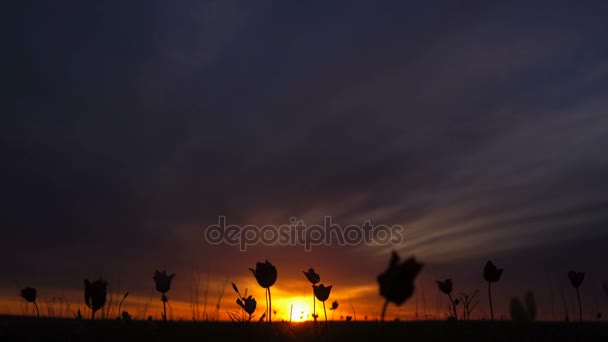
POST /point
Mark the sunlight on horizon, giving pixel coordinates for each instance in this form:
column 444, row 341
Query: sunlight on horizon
column 300, row 312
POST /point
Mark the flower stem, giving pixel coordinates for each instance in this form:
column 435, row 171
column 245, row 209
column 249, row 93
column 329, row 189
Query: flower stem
column 93, row 315
column 267, row 314
column 314, row 317
column 120, row 306
column 384, row 309
column 490, row 296
column 453, row 306
column 325, row 312
column 164, row 309
column 269, row 306
column 580, row 308
column 37, row 311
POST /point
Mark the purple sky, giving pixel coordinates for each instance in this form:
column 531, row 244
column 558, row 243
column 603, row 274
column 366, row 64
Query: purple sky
column 481, row 128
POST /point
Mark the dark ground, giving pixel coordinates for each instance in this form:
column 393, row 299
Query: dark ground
column 31, row 329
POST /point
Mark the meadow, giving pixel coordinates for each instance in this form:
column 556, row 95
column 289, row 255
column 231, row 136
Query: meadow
column 14, row 328
column 396, row 285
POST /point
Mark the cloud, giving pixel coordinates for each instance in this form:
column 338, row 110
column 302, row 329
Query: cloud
column 479, row 131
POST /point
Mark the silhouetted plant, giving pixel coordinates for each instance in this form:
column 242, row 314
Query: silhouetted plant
column 523, row 312
column 262, row 318
column 354, row 313
column 576, row 279
column 334, row 305
column 247, row 303
column 397, row 281
column 125, row 316
column 605, row 287
column 120, row 305
column 29, row 294
column 95, row 294
column 313, row 278
column 446, row 287
column 266, row 275
column 469, row 302
column 163, row 285
column 491, row 274
column 322, row 293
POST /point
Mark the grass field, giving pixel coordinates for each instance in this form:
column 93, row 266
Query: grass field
column 30, row 329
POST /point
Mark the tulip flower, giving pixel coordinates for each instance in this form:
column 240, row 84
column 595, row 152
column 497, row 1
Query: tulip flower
column 29, row 294
column 446, row 287
column 248, row 304
column 334, row 305
column 266, row 275
column 397, row 281
column 322, row 293
column 95, row 294
column 313, row 278
column 491, row 274
column 576, row 279
column 163, row 285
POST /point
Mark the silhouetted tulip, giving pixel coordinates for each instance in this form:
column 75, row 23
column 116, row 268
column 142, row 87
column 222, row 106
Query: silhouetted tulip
column 334, row 305
column 605, row 287
column 95, row 294
column 248, row 304
column 576, row 279
column 163, row 281
column 322, row 293
column 266, row 275
column 491, row 274
column 29, row 294
column 397, row 282
column 312, row 277
column 163, row 285
column 446, row 287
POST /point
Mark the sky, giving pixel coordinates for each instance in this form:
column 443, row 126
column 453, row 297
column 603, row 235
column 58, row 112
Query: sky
column 127, row 128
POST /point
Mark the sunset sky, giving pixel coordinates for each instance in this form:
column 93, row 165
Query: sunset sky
column 127, row 128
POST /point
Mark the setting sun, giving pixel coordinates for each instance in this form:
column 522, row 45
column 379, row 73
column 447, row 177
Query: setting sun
column 300, row 312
